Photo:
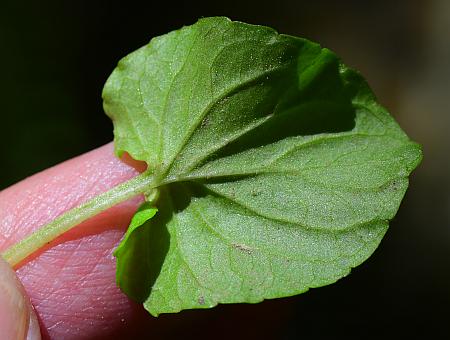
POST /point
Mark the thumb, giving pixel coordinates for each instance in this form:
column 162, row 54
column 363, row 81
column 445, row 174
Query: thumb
column 17, row 317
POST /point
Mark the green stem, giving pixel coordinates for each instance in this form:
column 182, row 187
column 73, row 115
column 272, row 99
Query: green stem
column 44, row 235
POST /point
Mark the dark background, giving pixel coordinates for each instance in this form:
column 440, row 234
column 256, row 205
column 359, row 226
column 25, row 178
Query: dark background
column 56, row 55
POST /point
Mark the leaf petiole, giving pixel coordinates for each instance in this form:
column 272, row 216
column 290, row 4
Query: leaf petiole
column 44, row 235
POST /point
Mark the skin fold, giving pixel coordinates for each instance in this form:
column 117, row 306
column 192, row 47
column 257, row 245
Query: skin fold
column 71, row 282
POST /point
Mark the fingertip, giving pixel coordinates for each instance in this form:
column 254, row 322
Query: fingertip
column 17, row 317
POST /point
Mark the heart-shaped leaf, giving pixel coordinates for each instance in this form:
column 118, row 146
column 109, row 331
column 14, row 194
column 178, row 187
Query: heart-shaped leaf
column 277, row 170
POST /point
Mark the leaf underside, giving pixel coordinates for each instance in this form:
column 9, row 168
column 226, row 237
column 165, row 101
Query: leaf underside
column 277, row 169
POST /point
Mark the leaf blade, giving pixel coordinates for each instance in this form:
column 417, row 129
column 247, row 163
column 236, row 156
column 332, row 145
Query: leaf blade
column 261, row 143
column 231, row 264
column 130, row 277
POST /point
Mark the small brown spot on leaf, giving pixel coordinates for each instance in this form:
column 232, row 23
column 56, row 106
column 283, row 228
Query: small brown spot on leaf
column 242, row 247
column 205, row 122
column 255, row 193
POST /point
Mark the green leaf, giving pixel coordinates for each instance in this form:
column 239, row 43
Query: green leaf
column 277, row 169
column 134, row 249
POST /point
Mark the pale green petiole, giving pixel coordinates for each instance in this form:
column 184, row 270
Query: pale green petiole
column 44, row 235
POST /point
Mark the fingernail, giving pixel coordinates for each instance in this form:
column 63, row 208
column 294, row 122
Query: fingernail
column 15, row 308
column 34, row 332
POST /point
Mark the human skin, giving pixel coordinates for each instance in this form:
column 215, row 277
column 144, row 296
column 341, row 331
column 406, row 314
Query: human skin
column 17, row 317
column 71, row 282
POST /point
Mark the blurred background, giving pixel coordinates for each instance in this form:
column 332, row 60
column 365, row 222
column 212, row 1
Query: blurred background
column 56, row 55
